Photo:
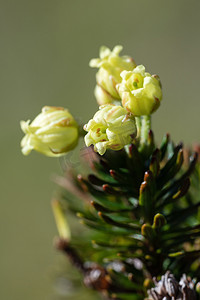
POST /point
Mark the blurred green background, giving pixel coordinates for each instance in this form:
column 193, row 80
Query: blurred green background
column 45, row 49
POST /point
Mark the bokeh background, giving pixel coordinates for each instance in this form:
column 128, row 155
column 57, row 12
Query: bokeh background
column 45, row 49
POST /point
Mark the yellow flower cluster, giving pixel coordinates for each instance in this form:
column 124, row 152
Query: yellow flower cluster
column 110, row 66
column 112, row 127
column 127, row 86
column 140, row 92
column 123, row 91
column 120, row 81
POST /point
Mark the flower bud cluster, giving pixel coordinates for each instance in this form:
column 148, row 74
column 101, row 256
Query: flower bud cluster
column 110, row 66
column 140, row 92
column 121, row 82
column 112, row 127
column 123, row 91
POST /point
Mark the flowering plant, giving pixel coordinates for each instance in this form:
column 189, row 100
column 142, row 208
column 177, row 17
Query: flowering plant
column 143, row 216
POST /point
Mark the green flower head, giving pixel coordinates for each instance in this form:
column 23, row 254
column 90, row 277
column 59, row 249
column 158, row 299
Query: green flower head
column 110, row 66
column 140, row 91
column 53, row 132
column 111, row 128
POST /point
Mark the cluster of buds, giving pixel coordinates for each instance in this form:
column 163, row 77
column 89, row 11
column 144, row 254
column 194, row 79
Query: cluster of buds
column 140, row 92
column 121, row 82
column 110, row 66
column 112, row 127
column 123, row 91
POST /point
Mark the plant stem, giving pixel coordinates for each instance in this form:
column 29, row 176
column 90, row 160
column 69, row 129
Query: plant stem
column 138, row 125
column 145, row 127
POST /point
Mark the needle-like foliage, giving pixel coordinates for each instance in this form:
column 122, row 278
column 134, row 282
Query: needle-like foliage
column 143, row 219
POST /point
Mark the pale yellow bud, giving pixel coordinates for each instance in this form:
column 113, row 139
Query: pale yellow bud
column 110, row 66
column 140, row 91
column 53, row 132
column 111, row 128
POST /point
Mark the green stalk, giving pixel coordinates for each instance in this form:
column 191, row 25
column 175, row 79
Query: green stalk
column 144, row 133
column 138, row 125
column 145, row 127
